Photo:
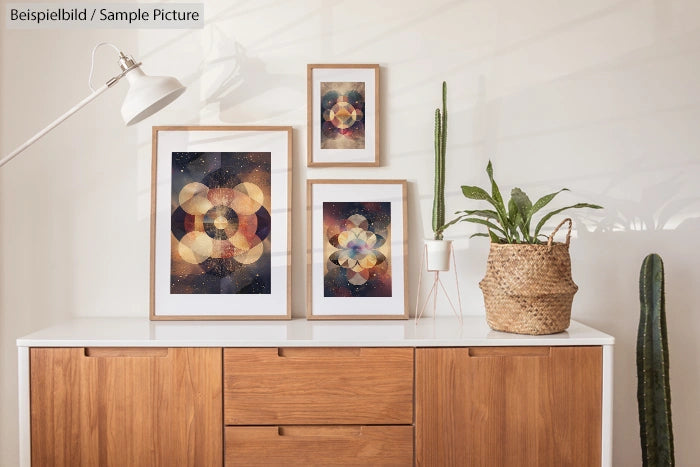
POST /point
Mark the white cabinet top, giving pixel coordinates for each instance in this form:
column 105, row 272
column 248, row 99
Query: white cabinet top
column 429, row 332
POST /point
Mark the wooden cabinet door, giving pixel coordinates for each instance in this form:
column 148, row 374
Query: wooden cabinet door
column 508, row 406
column 126, row 406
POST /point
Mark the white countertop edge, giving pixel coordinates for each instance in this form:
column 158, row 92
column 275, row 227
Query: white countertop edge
column 314, row 343
column 441, row 332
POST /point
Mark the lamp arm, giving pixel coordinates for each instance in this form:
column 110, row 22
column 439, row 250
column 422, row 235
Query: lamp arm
column 164, row 92
column 58, row 121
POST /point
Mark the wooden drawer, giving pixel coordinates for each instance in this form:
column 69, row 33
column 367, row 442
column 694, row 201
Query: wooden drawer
column 322, row 446
column 332, row 386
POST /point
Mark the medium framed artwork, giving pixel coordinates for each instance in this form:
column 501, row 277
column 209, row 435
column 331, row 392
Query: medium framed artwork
column 220, row 222
column 343, row 115
column 356, row 249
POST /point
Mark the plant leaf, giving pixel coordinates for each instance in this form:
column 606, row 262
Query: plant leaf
column 542, row 202
column 495, row 192
column 498, row 201
column 557, row 211
column 520, row 223
column 488, row 224
column 512, row 211
column 442, row 228
column 518, row 216
column 522, row 201
column 513, row 222
column 524, row 206
column 474, row 192
column 495, row 238
column 487, row 213
column 479, row 234
column 515, row 237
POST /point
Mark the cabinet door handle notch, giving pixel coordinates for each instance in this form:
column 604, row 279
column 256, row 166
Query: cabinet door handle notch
column 316, row 352
column 116, row 352
column 524, row 351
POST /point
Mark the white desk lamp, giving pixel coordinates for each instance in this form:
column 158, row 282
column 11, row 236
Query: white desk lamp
column 146, row 96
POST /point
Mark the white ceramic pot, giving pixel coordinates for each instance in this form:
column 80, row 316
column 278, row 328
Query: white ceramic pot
column 438, row 254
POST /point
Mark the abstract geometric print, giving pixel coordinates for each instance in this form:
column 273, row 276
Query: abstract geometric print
column 220, row 223
column 357, row 248
column 342, row 115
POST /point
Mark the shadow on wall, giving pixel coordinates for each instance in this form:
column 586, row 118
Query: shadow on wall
column 659, row 206
column 230, row 77
column 606, row 262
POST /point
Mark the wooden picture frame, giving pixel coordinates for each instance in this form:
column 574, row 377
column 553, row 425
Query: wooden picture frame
column 356, row 246
column 220, row 222
column 343, row 115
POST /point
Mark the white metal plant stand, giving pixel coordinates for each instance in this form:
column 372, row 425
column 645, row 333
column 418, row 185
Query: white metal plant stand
column 436, row 287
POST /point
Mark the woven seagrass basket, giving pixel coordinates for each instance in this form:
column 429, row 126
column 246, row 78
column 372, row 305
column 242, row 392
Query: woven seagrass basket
column 528, row 288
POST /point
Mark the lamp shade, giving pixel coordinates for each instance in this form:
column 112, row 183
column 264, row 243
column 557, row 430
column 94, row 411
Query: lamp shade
column 148, row 94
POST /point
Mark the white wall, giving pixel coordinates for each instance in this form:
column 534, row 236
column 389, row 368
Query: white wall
column 600, row 96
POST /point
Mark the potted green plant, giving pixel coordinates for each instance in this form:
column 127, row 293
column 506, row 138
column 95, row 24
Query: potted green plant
column 438, row 249
column 528, row 287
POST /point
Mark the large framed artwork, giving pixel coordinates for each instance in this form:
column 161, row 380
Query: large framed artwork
column 343, row 115
column 356, row 249
column 220, row 222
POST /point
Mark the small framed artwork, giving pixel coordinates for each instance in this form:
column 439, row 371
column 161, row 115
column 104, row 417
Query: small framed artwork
column 343, row 115
column 357, row 249
column 220, row 223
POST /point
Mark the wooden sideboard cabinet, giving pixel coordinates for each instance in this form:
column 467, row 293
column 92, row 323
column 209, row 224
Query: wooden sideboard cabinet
column 130, row 392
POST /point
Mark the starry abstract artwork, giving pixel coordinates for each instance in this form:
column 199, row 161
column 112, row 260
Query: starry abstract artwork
column 220, row 223
column 342, row 117
column 357, row 249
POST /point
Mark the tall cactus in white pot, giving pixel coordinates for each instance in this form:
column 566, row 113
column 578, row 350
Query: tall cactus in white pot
column 438, row 249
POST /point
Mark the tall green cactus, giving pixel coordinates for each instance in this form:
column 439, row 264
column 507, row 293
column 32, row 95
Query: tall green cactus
column 653, row 388
column 440, row 147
